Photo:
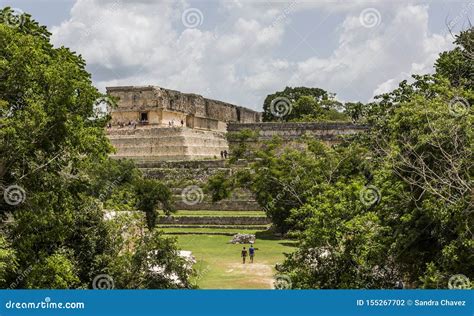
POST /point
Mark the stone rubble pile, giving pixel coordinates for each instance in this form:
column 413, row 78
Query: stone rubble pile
column 243, row 239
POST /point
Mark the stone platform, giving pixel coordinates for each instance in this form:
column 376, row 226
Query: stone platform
column 179, row 175
column 160, row 143
column 329, row 133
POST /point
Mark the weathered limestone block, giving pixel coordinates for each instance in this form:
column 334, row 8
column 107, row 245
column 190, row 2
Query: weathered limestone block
column 164, row 143
column 164, row 105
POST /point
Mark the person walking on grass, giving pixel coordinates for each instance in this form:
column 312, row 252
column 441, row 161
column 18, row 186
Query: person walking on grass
column 244, row 255
column 251, row 253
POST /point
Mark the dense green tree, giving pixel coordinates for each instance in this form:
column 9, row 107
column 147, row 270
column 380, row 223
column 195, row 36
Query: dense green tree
column 241, row 140
column 356, row 111
column 47, row 138
column 456, row 65
column 144, row 258
column 152, row 195
column 394, row 204
column 220, row 186
column 302, row 104
column 419, row 152
column 54, row 167
column 7, row 260
column 56, row 271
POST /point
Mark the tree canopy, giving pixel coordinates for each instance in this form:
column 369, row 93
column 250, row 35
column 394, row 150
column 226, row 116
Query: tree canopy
column 302, row 104
column 389, row 206
column 57, row 179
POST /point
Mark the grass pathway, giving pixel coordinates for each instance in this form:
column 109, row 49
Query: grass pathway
column 219, row 264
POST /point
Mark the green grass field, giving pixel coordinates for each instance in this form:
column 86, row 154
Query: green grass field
column 219, row 264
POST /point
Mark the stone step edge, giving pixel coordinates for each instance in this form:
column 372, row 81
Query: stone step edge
column 202, row 233
column 248, row 227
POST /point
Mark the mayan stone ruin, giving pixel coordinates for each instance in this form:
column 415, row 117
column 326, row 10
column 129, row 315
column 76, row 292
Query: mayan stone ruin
column 155, row 124
column 152, row 124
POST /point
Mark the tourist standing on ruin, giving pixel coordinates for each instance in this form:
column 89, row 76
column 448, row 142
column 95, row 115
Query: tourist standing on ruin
column 225, row 154
column 244, row 255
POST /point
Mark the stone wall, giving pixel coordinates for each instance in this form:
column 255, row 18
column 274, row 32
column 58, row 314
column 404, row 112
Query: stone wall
column 149, row 143
column 327, row 132
column 214, row 220
column 248, row 116
column 225, row 205
column 179, row 175
column 152, row 98
column 132, row 98
column 185, row 164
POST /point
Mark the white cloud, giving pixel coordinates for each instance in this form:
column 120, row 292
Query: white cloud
column 373, row 60
column 236, row 60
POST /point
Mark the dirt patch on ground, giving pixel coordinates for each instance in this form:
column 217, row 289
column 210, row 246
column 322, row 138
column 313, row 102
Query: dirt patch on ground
column 258, row 273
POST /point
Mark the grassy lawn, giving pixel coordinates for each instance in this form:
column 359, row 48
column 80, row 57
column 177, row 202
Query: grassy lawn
column 219, row 264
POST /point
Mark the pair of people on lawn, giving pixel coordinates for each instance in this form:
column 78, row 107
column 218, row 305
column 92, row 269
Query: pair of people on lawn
column 251, row 254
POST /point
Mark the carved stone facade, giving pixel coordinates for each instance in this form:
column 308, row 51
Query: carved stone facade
column 153, row 105
column 152, row 124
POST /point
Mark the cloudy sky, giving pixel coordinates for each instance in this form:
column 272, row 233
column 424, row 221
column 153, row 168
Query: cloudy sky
column 240, row 50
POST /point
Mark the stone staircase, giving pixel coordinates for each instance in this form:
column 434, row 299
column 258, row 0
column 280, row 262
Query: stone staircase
column 174, row 155
column 213, row 222
column 158, row 143
column 193, row 175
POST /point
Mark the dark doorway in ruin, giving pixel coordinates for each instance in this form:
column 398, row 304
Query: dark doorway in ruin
column 190, row 121
column 238, row 114
column 144, row 117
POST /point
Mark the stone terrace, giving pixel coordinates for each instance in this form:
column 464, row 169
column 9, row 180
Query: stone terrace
column 329, row 133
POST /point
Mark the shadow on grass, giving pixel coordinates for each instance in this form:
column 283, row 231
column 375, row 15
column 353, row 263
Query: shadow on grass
column 289, row 243
column 270, row 235
column 267, row 235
